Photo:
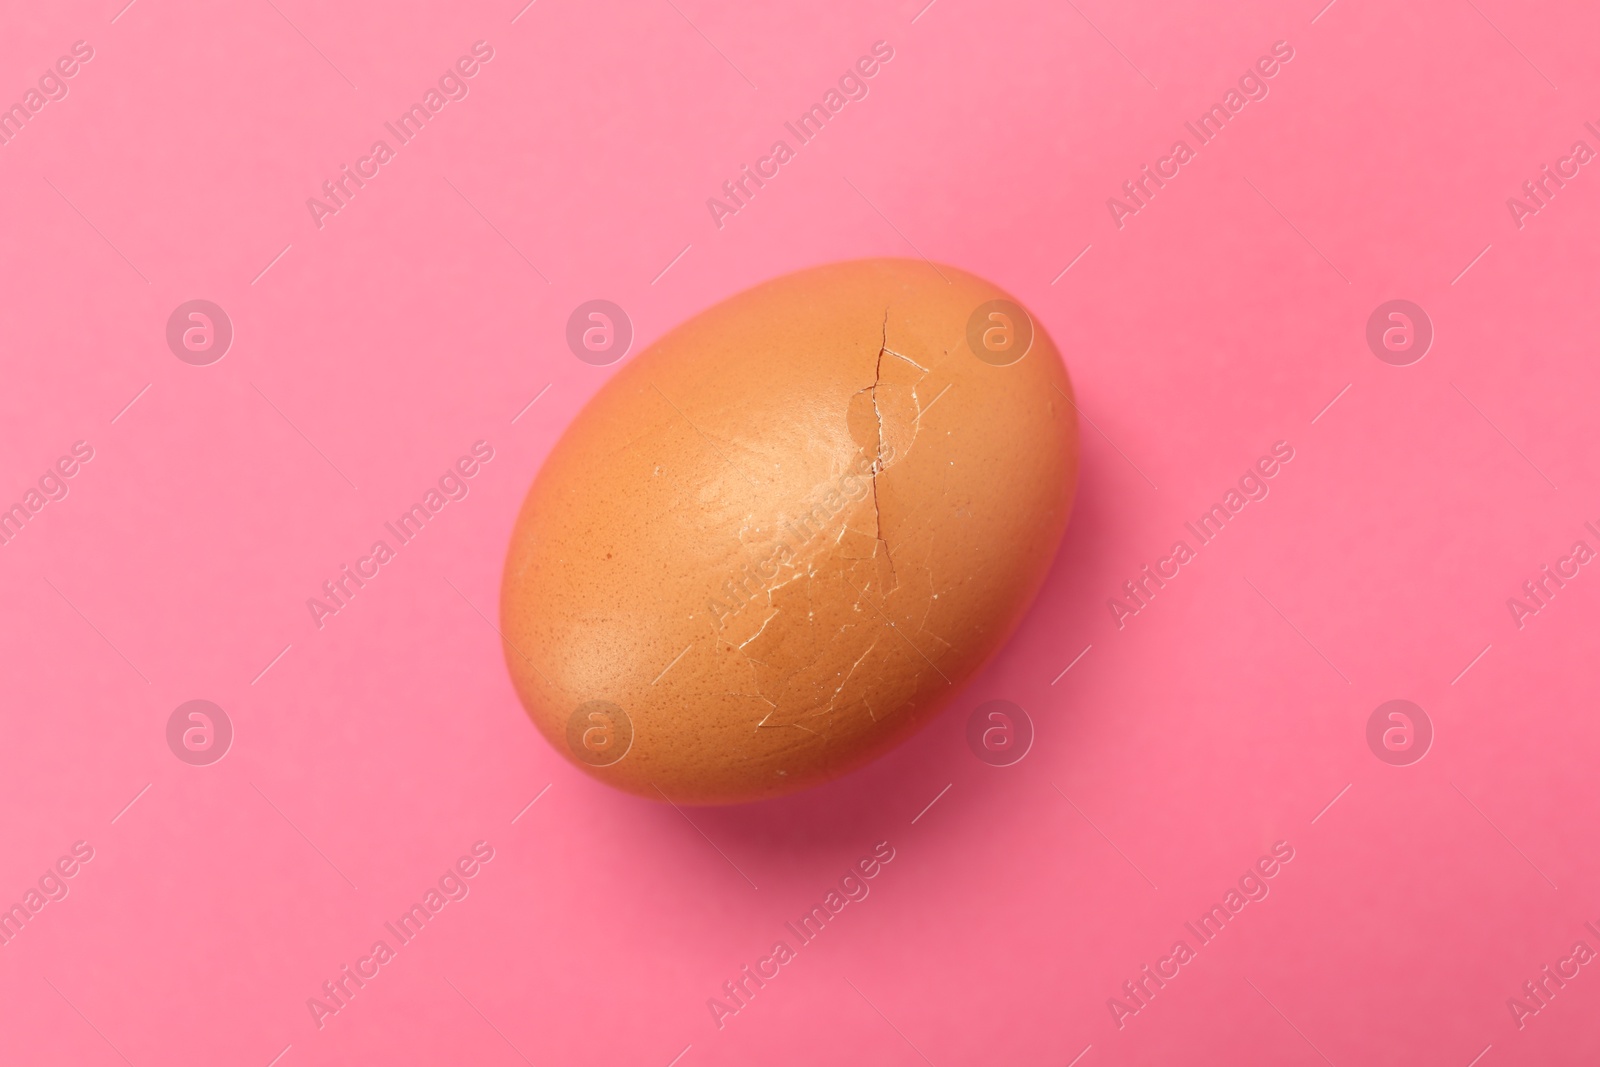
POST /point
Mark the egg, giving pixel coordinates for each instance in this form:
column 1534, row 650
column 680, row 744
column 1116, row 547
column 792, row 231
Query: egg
column 782, row 538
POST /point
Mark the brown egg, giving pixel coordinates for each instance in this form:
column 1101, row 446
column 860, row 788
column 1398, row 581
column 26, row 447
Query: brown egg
column 784, row 535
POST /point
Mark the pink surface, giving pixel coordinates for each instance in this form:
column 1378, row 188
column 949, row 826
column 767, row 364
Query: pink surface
column 1229, row 714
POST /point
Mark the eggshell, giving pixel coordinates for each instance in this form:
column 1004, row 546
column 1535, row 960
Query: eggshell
column 783, row 536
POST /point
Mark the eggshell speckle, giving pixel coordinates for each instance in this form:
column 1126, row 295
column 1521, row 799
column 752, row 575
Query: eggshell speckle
column 780, row 538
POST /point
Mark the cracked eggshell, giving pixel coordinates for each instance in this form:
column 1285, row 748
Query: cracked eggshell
column 782, row 537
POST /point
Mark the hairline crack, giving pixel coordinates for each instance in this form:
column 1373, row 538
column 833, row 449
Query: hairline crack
column 877, row 460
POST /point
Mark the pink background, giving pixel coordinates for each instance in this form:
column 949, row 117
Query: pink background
column 1223, row 317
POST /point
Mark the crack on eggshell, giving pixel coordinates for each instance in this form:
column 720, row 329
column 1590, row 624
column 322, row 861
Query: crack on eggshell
column 833, row 700
column 877, row 459
column 901, row 355
column 759, row 632
column 798, row 641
